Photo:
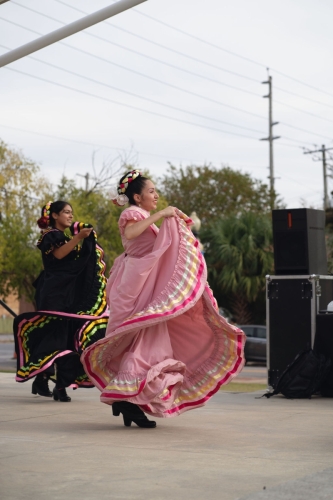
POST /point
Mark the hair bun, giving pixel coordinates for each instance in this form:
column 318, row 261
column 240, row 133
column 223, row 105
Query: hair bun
column 43, row 222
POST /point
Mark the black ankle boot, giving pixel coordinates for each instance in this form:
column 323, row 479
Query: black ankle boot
column 132, row 413
column 41, row 386
column 61, row 395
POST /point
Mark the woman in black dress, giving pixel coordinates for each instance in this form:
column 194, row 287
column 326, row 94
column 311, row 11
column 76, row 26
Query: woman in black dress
column 71, row 305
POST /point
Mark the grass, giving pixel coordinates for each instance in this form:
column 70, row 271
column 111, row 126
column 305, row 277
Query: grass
column 6, row 325
column 243, row 387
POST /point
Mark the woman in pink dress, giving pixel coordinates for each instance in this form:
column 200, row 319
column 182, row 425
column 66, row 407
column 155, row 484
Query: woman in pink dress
column 167, row 350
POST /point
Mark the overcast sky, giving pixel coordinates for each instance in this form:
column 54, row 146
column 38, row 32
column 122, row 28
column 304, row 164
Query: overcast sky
column 174, row 81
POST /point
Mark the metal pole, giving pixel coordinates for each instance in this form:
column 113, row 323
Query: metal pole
column 4, row 305
column 86, row 177
column 68, row 30
column 323, row 150
column 270, row 139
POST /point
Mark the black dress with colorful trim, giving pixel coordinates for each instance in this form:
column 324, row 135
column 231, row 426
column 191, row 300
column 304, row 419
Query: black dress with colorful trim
column 71, row 311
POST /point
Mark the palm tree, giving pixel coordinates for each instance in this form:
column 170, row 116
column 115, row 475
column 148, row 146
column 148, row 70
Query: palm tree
column 239, row 253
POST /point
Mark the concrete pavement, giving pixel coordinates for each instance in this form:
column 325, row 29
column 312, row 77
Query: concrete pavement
column 232, row 448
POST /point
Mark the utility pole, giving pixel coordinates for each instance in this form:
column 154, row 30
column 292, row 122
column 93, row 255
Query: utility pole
column 270, row 139
column 86, row 177
column 323, row 151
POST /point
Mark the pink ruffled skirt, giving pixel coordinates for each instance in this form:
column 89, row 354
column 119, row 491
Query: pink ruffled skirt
column 166, row 347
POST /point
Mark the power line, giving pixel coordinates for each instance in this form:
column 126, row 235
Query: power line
column 293, row 180
column 162, row 62
column 167, row 48
column 304, row 130
column 175, row 108
column 182, row 54
column 128, row 105
column 306, row 195
column 244, row 58
column 303, row 97
column 93, row 144
column 145, row 98
column 155, row 102
column 141, row 74
column 157, row 44
column 293, row 140
column 152, row 78
column 302, row 111
column 163, row 82
column 86, row 143
column 229, row 51
column 288, row 145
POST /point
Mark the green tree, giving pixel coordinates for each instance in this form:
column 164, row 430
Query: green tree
column 22, row 188
column 239, row 253
column 23, row 192
column 214, row 193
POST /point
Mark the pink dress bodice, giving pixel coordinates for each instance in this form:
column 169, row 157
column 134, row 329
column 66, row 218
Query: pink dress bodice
column 143, row 244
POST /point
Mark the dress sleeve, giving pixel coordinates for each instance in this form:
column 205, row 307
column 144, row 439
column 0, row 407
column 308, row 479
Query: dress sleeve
column 50, row 241
column 127, row 215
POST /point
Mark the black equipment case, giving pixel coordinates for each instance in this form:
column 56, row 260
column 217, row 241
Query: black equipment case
column 292, row 304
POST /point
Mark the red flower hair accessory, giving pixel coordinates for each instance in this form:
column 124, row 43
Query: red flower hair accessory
column 44, row 221
column 117, row 193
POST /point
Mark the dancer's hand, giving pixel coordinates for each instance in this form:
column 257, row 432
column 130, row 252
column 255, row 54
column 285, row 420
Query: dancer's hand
column 168, row 212
column 84, row 233
column 61, row 252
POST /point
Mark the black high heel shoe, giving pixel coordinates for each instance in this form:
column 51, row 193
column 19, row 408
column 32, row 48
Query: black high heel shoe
column 41, row 386
column 61, row 395
column 132, row 413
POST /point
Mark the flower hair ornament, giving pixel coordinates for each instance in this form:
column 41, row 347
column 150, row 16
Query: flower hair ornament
column 117, row 193
column 44, row 221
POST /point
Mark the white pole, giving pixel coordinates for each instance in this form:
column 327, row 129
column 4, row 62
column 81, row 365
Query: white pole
column 68, row 30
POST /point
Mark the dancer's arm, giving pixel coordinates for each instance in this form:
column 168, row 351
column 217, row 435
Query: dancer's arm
column 133, row 229
column 61, row 252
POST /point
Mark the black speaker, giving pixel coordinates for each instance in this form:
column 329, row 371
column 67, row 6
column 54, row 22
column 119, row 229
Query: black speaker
column 292, row 306
column 324, row 345
column 299, row 241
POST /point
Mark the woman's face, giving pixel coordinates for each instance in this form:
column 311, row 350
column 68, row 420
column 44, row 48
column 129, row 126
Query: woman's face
column 148, row 197
column 64, row 218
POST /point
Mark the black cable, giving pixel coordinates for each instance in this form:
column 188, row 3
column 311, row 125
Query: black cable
column 169, row 106
column 128, row 105
column 220, row 103
column 155, row 79
column 288, row 145
column 291, row 179
column 199, row 39
column 302, row 111
column 181, row 53
column 94, row 144
column 155, row 102
column 158, row 45
column 293, row 140
column 75, row 141
column 302, row 97
column 304, row 130
column 229, row 51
